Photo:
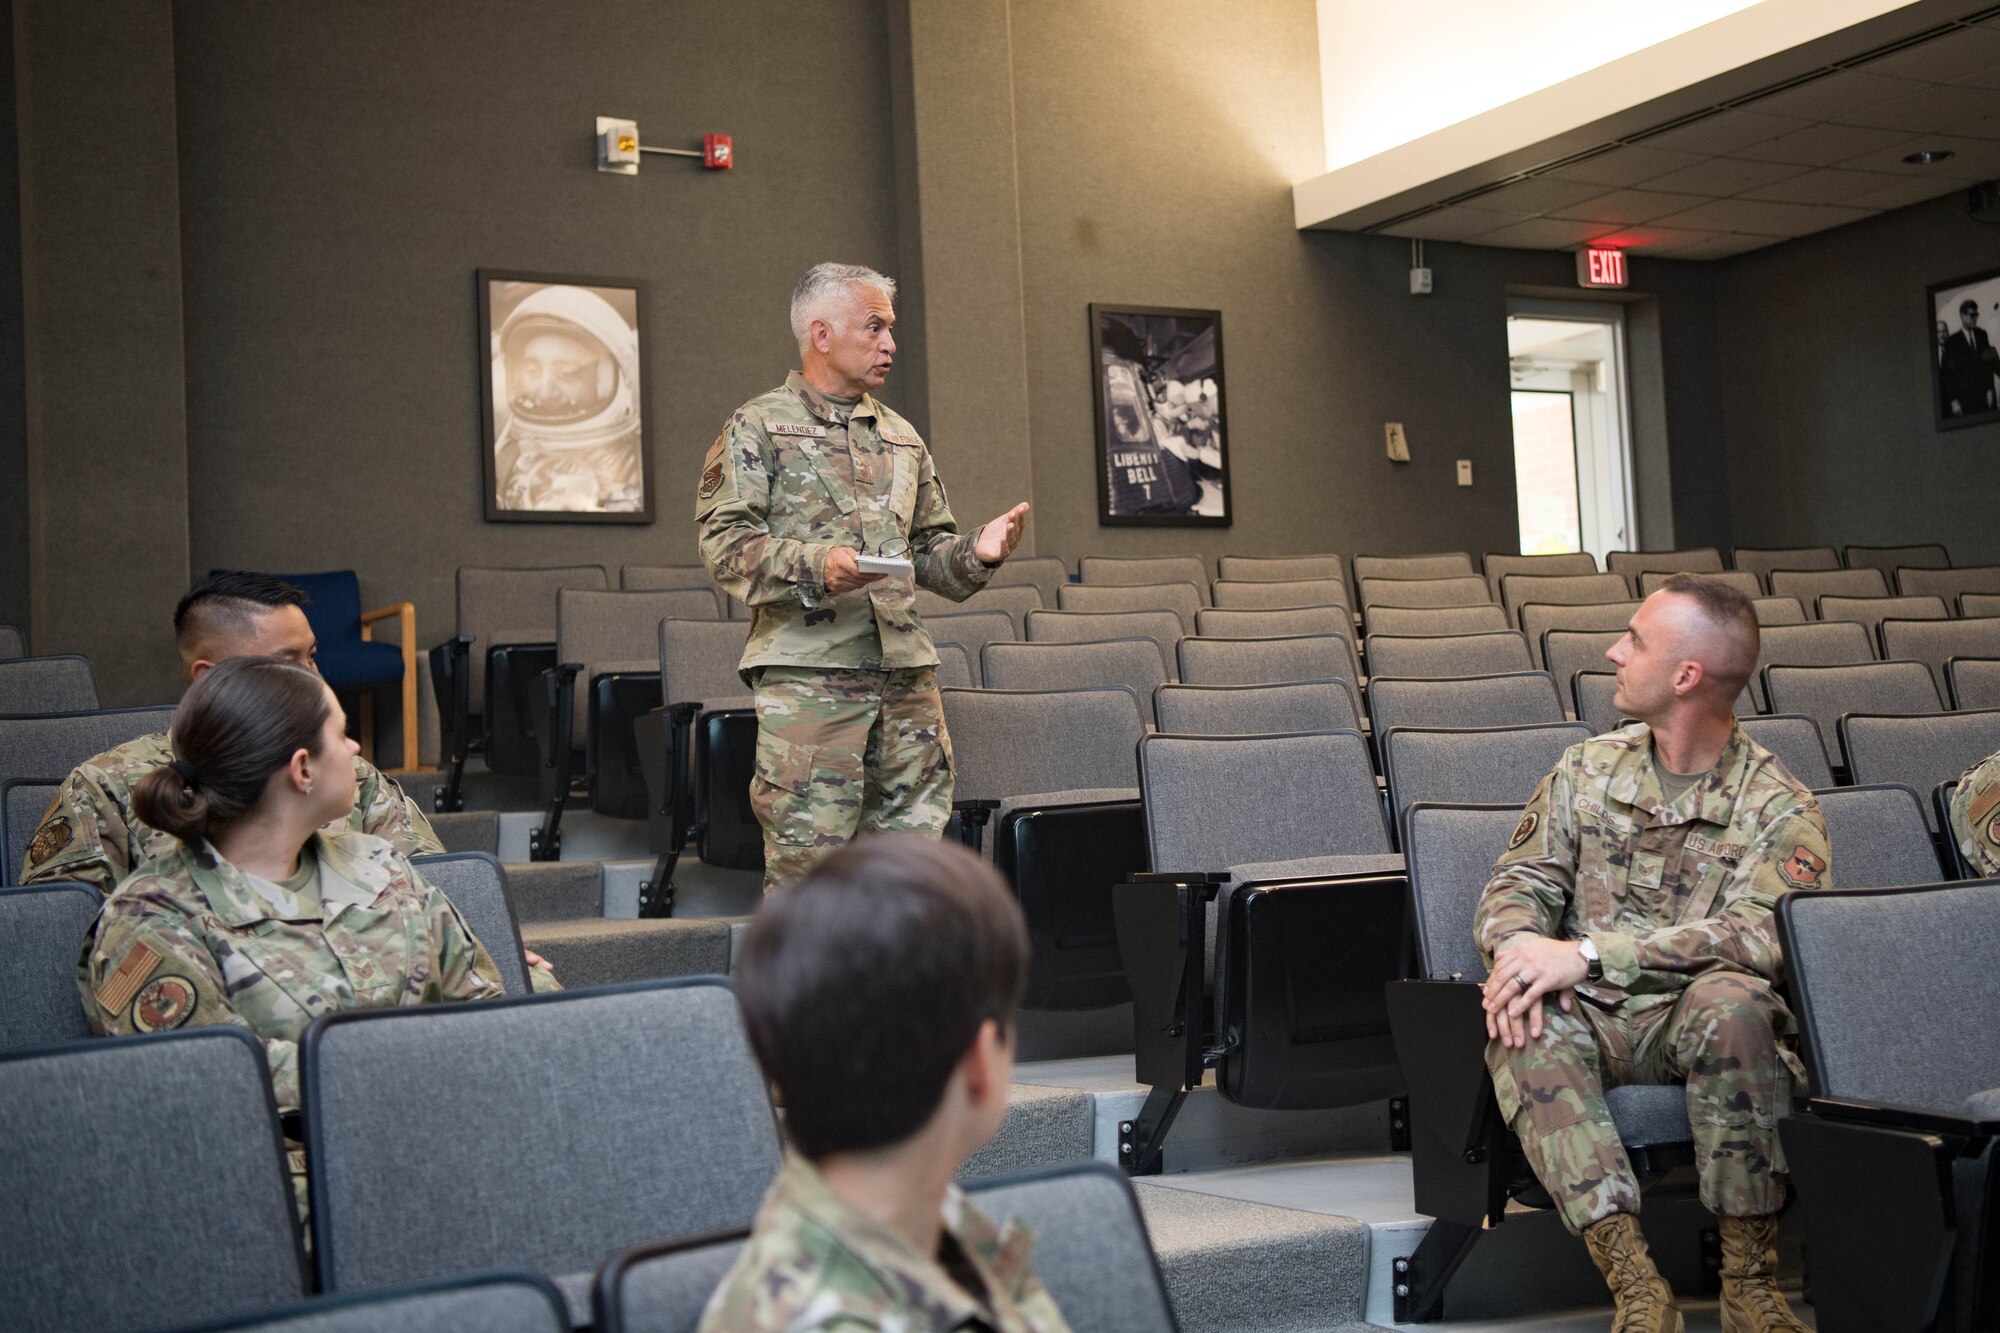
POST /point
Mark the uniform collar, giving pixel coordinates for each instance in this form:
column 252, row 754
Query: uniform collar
column 825, row 408
column 998, row 1254
column 344, row 881
column 1637, row 782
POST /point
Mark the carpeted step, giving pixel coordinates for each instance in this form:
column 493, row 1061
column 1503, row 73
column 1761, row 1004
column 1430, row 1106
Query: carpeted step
column 1044, row 1127
column 602, row 952
column 469, row 831
column 1254, row 1268
column 555, row 891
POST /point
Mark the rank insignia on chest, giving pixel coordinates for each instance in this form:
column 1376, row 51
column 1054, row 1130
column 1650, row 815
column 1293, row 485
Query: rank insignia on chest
column 793, row 428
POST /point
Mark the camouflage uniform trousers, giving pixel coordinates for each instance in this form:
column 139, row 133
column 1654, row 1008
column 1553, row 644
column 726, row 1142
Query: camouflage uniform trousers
column 1724, row 1036
column 842, row 751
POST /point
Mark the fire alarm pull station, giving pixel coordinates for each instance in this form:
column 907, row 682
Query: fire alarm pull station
column 619, row 149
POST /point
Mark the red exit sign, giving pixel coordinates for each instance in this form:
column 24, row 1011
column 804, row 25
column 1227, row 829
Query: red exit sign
column 1600, row 268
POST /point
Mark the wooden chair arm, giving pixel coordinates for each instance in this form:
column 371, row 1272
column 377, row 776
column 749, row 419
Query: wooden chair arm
column 406, row 618
column 407, row 611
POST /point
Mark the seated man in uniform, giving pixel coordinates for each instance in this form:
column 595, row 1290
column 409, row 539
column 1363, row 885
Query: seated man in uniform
column 90, row 833
column 1629, row 934
column 1975, row 817
column 880, row 996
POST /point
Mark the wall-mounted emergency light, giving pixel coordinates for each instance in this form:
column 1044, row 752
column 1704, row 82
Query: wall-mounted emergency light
column 618, row 148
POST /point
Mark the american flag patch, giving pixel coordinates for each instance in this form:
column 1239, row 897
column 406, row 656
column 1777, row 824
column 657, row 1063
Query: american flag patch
column 120, row 986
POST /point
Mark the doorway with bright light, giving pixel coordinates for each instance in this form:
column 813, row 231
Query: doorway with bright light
column 1572, row 433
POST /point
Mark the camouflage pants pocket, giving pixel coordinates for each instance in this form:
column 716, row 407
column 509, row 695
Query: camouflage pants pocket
column 805, row 798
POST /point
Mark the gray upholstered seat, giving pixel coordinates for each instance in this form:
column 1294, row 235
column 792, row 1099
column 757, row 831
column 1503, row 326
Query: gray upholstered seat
column 1015, row 600
column 1133, row 663
column 1162, row 627
column 47, row 685
column 1812, row 584
column 1795, row 740
column 1690, row 560
column 44, row 926
column 954, row 666
column 1107, row 569
column 658, row 578
column 1538, row 619
column 1918, row 751
column 974, row 629
column 1512, row 699
column 1764, row 560
column 1568, row 651
column 1009, row 742
column 1972, row 604
column 1742, row 580
column 617, row 630
column 170, row 1137
column 512, row 605
column 1248, row 710
column 477, row 887
column 1778, row 610
column 603, row 1118
column 1436, row 565
column 1519, row 590
column 1266, row 661
column 1213, row 802
column 1825, row 693
column 1279, row 568
column 1974, row 681
column 1222, row 622
column 1469, row 590
column 1183, row 599
column 1889, row 559
column 1880, row 836
column 1591, row 698
column 1272, row 594
column 1936, row 642
column 12, row 643
column 49, row 745
column 698, row 662
column 1950, row 584
column 1447, row 654
column 23, row 802
column 1044, row 573
column 1497, row 764
column 1870, row 612
column 1437, row 619
column 1499, row 564
column 488, row 1302
column 1813, row 643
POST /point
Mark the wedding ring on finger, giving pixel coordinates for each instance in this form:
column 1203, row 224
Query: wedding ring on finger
column 1524, row 983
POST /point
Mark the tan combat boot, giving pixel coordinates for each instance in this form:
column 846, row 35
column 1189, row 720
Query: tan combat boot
column 1645, row 1301
column 1750, row 1299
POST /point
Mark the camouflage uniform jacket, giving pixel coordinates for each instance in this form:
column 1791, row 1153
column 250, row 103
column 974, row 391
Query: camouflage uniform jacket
column 1665, row 891
column 91, row 834
column 190, row 939
column 1975, row 816
column 791, row 477
column 814, row 1263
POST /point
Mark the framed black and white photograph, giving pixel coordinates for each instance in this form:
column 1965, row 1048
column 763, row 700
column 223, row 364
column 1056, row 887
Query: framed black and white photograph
column 1162, row 448
column 1965, row 365
column 562, row 400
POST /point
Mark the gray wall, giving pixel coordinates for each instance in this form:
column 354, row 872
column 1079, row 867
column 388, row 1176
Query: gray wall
column 1824, row 350
column 13, row 418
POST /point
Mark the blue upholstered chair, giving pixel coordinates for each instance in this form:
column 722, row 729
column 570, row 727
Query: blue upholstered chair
column 350, row 659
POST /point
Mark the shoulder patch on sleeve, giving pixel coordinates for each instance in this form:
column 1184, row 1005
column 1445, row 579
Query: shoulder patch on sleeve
column 165, row 1004
column 1524, row 830
column 1983, row 804
column 1803, row 868
column 125, row 979
column 51, row 838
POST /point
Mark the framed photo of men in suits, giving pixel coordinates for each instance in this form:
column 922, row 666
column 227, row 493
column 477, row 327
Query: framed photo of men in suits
column 1965, row 361
column 562, row 401
column 1162, row 444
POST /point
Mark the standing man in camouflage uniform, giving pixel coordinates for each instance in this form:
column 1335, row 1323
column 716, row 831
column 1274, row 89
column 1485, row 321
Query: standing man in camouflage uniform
column 1629, row 936
column 90, row 833
column 803, row 480
column 1975, row 816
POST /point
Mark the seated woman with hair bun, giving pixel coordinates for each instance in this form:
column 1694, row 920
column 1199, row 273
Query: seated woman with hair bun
column 260, row 918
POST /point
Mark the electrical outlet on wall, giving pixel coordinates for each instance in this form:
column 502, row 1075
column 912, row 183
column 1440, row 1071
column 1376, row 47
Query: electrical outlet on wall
column 1399, row 444
column 1465, row 471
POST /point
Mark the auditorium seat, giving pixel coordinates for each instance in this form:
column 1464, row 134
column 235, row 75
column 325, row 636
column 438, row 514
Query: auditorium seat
column 1436, row 565
column 1183, row 599
column 1593, row 694
column 1936, row 642
column 1811, row 585
column 659, row 578
column 1519, row 590
column 146, row 1182
column 487, row 678
column 1568, row 651
column 1267, row 661
column 1636, row 565
column 1016, row 600
column 1764, row 560
column 1499, row 564
column 1795, row 740
column 1044, row 573
column 1133, row 663
column 1815, row 643
column 1469, row 590
column 1162, row 627
column 1950, row 584
column 1508, row 699
column 1778, row 610
column 23, row 802
column 1537, row 620
column 1255, row 595
column 583, row 1146
column 44, row 926
column 1889, row 559
column 1870, row 612
column 1437, row 620
column 1465, row 1162
column 477, row 887
column 1106, row 569
column 47, row 685
column 1248, row 710
column 12, row 642
column 1826, row 693
column 47, row 746
column 973, row 629
column 489, row 1302
column 954, row 665
column 1892, row 1155
column 1918, row 751
column 1974, row 682
column 1279, row 568
column 1232, row 623
column 1480, row 764
column 1447, row 654
column 1880, row 834
column 1742, row 580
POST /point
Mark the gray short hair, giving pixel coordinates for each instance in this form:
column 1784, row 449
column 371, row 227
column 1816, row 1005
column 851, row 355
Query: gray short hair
column 824, row 282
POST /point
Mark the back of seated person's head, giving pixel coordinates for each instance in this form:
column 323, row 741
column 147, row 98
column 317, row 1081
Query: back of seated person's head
column 865, row 986
column 1719, row 629
column 241, row 614
column 237, row 726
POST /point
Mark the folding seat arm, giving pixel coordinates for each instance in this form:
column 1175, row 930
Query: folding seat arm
column 1162, row 923
column 973, row 816
column 665, row 738
column 558, row 761
column 451, row 681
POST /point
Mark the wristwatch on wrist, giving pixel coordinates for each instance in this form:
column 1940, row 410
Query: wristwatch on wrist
column 1588, row 948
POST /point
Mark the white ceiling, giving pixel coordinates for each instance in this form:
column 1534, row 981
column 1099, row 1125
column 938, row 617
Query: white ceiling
column 1824, row 149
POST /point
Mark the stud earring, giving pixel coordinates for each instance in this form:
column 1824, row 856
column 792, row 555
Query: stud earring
column 309, row 789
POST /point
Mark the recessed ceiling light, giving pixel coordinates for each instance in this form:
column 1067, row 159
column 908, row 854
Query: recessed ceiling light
column 1929, row 157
